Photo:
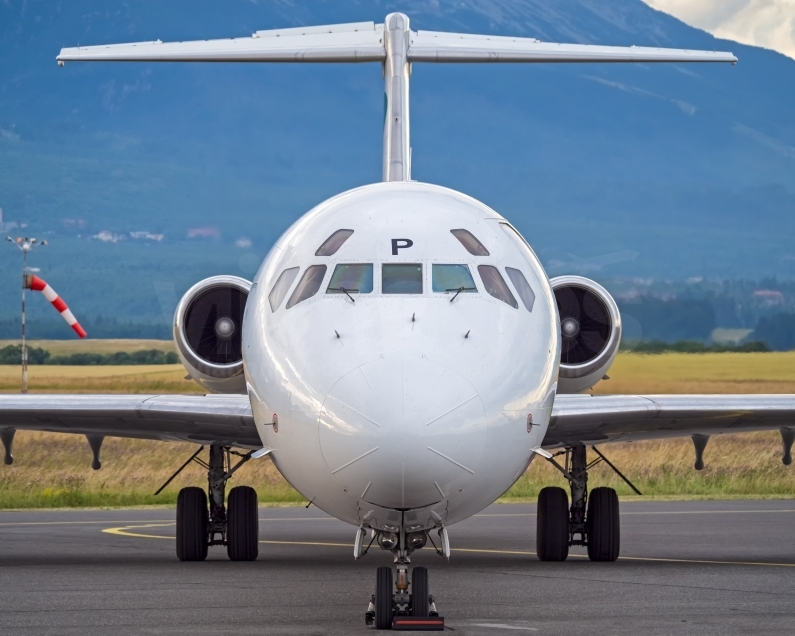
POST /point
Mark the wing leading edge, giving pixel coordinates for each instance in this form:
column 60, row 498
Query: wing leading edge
column 619, row 418
column 202, row 419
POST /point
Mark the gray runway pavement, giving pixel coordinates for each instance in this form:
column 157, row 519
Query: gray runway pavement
column 722, row 567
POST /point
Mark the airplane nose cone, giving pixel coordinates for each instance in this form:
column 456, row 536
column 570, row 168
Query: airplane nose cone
column 402, row 432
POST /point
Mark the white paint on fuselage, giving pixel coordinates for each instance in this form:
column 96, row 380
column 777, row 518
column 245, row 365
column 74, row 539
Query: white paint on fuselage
column 400, row 413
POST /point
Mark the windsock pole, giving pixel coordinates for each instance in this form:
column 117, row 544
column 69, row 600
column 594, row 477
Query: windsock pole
column 37, row 284
column 24, row 344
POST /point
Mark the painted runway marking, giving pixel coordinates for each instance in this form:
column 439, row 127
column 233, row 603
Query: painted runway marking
column 107, row 521
column 125, row 531
column 650, row 512
column 504, row 626
column 269, row 519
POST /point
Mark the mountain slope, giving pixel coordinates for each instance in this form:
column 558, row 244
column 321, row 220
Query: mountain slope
column 683, row 170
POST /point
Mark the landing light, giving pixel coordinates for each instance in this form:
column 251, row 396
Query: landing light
column 387, row 540
column 416, row 540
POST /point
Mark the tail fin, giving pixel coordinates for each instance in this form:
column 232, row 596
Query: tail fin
column 395, row 46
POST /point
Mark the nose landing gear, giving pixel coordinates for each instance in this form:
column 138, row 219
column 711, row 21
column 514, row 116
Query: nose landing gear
column 403, row 606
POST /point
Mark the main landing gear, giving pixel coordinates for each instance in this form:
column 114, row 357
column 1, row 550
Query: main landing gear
column 401, row 603
column 202, row 522
column 592, row 520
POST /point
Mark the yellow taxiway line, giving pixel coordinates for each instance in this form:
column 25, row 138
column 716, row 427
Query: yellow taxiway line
column 125, row 531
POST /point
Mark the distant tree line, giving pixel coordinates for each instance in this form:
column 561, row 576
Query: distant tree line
column 777, row 331
column 692, row 321
column 12, row 354
column 691, row 346
column 97, row 328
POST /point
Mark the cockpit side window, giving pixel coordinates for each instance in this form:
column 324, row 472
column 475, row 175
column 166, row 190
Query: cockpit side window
column 333, row 243
column 281, row 287
column 308, row 285
column 351, row 278
column 495, row 285
column 522, row 287
column 468, row 240
column 401, row 278
column 452, row 278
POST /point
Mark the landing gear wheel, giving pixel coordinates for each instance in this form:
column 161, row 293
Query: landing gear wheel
column 419, row 592
column 552, row 529
column 192, row 513
column 604, row 526
column 383, row 598
column 242, row 529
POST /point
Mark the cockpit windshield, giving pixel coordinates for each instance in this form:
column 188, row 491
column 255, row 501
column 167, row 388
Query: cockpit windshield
column 401, row 278
column 452, row 278
column 351, row 278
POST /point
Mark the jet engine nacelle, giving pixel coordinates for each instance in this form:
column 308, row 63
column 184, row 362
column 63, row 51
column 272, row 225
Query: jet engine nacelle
column 590, row 329
column 208, row 330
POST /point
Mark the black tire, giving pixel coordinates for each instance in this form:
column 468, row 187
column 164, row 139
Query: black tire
column 603, row 525
column 552, row 525
column 419, row 592
column 192, row 518
column 383, row 598
column 242, row 524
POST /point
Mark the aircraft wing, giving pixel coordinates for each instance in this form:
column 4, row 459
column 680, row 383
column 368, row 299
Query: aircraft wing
column 202, row 419
column 434, row 46
column 595, row 419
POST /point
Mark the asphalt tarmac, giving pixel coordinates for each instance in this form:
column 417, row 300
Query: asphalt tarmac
column 718, row 567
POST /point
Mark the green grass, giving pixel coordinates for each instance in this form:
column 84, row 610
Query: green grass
column 53, row 470
column 92, row 345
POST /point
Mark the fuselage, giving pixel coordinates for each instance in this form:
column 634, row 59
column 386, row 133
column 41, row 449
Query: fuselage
column 403, row 369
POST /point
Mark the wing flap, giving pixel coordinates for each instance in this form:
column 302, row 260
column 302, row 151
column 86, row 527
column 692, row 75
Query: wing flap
column 612, row 418
column 202, row 419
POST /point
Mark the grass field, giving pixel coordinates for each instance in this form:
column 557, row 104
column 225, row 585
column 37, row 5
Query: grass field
column 66, row 347
column 54, row 470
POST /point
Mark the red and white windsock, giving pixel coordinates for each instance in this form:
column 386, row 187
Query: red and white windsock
column 37, row 284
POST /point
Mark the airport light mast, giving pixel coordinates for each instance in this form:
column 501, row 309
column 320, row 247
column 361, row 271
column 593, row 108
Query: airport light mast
column 25, row 245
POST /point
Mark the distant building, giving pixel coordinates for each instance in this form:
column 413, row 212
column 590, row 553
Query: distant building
column 769, row 296
column 146, row 236
column 108, row 237
column 204, row 232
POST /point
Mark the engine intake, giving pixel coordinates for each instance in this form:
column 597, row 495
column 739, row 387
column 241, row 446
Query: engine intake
column 590, row 329
column 208, row 329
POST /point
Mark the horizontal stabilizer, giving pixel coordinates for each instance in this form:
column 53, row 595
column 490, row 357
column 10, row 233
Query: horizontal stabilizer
column 433, row 46
column 364, row 42
column 360, row 42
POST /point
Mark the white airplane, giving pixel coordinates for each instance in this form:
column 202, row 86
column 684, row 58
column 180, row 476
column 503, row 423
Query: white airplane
column 401, row 354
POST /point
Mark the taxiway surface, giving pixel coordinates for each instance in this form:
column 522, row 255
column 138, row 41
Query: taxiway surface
column 719, row 567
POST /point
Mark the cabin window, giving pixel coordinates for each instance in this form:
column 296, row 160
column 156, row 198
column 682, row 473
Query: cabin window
column 495, row 285
column 351, row 278
column 452, row 278
column 522, row 287
column 333, row 243
column 308, row 285
column 472, row 245
column 401, row 278
column 281, row 287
